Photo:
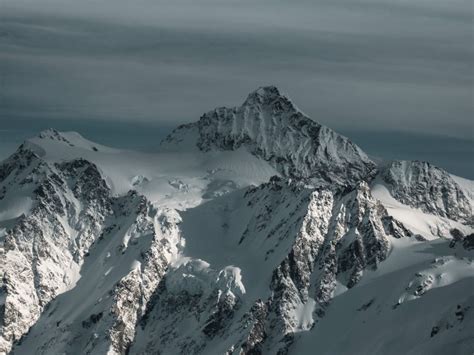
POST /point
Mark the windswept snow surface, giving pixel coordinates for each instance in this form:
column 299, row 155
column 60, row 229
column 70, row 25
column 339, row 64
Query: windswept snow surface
column 419, row 301
column 466, row 184
column 427, row 225
column 171, row 178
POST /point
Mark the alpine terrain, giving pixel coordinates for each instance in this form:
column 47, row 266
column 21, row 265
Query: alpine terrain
column 255, row 230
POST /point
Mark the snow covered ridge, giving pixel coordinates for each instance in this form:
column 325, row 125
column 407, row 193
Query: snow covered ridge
column 305, row 243
column 253, row 231
column 271, row 127
column 422, row 185
column 74, row 218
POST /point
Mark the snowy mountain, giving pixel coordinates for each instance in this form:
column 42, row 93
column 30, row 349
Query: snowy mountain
column 270, row 127
column 255, row 230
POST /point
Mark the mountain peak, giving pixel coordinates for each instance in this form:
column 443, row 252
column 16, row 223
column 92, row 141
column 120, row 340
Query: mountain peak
column 52, row 134
column 423, row 185
column 264, row 92
column 51, row 139
column 270, row 97
column 269, row 126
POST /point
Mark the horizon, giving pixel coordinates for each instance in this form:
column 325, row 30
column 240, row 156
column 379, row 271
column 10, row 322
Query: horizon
column 385, row 145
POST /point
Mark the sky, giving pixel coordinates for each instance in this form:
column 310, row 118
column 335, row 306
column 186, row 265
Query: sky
column 399, row 69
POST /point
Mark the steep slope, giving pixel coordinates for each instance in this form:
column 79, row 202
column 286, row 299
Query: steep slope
column 44, row 248
column 269, row 126
column 420, row 301
column 433, row 190
column 69, row 205
column 263, row 265
column 118, row 279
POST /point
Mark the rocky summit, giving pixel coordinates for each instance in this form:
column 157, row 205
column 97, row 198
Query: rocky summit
column 255, row 230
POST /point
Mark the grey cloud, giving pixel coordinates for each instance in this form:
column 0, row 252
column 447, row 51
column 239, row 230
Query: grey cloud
column 349, row 64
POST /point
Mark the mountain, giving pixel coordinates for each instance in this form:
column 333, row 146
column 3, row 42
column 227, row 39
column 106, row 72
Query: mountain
column 422, row 185
column 255, row 230
column 270, row 127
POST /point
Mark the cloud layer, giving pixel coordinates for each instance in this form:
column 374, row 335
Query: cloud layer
column 358, row 64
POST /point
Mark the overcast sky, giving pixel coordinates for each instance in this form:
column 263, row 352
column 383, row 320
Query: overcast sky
column 382, row 64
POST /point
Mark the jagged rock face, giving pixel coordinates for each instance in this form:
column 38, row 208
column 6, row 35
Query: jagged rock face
column 339, row 238
column 134, row 291
column 365, row 243
column 433, row 190
column 467, row 241
column 271, row 127
column 17, row 163
column 212, row 304
column 194, row 294
column 119, row 277
column 332, row 239
column 69, row 209
column 44, row 249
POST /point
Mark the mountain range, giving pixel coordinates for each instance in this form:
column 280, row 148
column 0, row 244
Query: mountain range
column 255, row 230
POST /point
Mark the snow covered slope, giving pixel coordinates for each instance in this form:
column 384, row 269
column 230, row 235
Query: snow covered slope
column 253, row 231
column 172, row 179
column 433, row 190
column 288, row 249
column 270, row 126
column 420, row 301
